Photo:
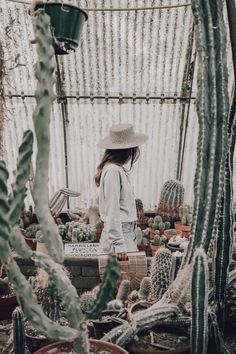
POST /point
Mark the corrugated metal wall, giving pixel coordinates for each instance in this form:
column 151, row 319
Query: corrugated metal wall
column 132, row 52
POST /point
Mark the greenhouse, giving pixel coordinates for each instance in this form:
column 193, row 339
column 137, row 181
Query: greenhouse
column 117, row 175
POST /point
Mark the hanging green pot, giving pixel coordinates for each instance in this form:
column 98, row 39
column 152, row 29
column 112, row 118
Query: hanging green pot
column 67, row 23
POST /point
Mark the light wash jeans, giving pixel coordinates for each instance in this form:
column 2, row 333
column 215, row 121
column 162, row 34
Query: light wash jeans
column 128, row 229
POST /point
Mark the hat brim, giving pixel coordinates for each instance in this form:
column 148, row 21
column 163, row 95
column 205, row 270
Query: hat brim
column 137, row 139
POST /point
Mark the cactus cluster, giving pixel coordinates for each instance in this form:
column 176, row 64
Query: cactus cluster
column 31, row 230
column 185, row 215
column 161, row 273
column 158, row 225
column 76, row 232
column 172, row 197
column 156, row 240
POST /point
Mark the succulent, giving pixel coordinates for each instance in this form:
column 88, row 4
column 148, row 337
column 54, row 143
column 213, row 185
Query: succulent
column 123, row 290
column 172, row 197
column 31, row 230
column 157, row 219
column 185, row 215
column 26, row 218
column 167, row 225
column 158, row 224
column 139, row 208
column 145, row 289
column 80, row 232
column 87, row 300
column 157, row 240
column 161, row 272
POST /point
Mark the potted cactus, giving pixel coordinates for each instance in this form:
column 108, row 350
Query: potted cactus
column 186, row 220
column 172, row 232
column 67, row 22
column 141, row 218
column 99, row 228
column 157, row 224
column 78, row 232
column 156, row 243
column 172, row 197
column 29, row 227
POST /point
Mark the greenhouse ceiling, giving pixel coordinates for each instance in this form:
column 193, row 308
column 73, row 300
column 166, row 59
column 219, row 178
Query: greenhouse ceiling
column 136, row 62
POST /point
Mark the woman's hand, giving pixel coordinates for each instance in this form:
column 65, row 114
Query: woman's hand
column 122, row 256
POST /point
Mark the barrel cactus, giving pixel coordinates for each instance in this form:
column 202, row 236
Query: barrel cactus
column 172, row 197
column 157, row 240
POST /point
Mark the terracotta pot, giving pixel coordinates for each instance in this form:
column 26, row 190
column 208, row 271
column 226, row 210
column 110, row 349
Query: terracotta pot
column 185, row 229
column 155, row 248
column 135, row 349
column 142, row 248
column 95, row 345
column 172, row 232
column 142, row 224
column 31, row 242
column 7, row 306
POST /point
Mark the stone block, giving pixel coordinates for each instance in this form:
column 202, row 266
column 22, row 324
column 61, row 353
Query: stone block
column 74, row 270
column 90, row 271
column 85, row 282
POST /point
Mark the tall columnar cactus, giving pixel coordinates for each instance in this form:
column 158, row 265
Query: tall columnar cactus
column 44, row 72
column 123, row 291
column 172, row 196
column 161, row 272
column 18, row 331
column 200, row 303
column 145, row 289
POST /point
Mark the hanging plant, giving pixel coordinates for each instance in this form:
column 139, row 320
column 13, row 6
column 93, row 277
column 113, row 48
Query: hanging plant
column 67, row 22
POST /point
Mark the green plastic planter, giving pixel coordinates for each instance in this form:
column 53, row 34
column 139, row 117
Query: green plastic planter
column 67, row 22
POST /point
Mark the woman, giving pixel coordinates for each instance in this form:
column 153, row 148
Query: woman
column 116, row 198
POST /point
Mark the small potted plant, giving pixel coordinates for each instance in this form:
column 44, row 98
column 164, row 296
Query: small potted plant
column 157, row 224
column 186, row 219
column 67, row 22
column 171, row 233
column 141, row 218
column 99, row 228
column 156, row 244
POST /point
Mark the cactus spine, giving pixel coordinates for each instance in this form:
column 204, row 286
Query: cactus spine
column 161, row 272
column 199, row 303
column 18, row 331
column 145, row 289
column 172, row 196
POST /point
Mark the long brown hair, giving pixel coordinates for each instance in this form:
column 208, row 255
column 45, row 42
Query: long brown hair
column 119, row 157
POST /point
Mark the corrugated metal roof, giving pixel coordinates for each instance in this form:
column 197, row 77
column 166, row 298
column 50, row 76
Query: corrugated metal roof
column 130, row 52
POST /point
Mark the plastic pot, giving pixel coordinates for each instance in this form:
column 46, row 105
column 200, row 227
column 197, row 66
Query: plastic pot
column 67, row 22
column 95, row 345
column 172, row 232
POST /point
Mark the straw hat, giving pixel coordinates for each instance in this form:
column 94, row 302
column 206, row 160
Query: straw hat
column 122, row 136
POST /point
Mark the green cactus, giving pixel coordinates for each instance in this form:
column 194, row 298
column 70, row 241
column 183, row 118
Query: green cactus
column 172, row 196
column 18, row 331
column 200, row 282
column 115, row 305
column 161, row 226
column 185, row 215
column 31, row 230
column 157, row 219
column 139, row 208
column 157, row 240
column 145, row 289
column 123, row 291
column 161, row 272
column 167, row 225
column 44, row 72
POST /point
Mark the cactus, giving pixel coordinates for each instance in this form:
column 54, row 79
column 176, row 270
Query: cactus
column 31, row 230
column 161, row 272
column 185, row 215
column 18, row 331
column 199, row 326
column 157, row 240
column 123, row 290
column 133, row 296
column 161, row 227
column 172, row 197
column 26, row 218
column 139, row 236
column 158, row 224
column 145, row 289
column 58, row 200
column 115, row 305
column 157, row 219
column 139, row 208
column 80, row 232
